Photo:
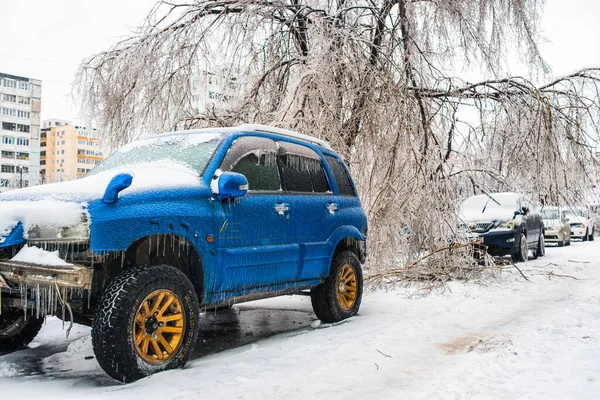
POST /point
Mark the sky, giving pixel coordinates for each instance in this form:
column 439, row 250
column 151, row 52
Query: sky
column 46, row 39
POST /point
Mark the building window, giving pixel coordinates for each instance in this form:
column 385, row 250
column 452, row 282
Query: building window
column 10, row 83
column 22, row 142
column 9, row 97
column 22, row 128
column 8, row 169
column 8, row 140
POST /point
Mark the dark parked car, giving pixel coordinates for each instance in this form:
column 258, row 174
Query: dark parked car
column 172, row 224
column 507, row 222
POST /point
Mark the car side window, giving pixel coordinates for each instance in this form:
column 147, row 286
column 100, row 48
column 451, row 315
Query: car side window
column 301, row 169
column 341, row 176
column 256, row 159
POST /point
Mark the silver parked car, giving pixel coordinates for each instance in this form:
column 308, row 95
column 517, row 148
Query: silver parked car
column 556, row 227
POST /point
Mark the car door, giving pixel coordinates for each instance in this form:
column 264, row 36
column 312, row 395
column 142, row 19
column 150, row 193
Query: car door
column 256, row 245
column 533, row 223
column 313, row 206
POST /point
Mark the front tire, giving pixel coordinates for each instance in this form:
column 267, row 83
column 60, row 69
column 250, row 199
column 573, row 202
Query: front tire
column 591, row 237
column 585, row 236
column 16, row 330
column 145, row 323
column 339, row 296
column 541, row 250
column 521, row 253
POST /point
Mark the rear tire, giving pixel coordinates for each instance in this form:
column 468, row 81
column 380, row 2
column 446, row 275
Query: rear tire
column 591, row 237
column 339, row 296
column 521, row 253
column 16, row 330
column 145, row 323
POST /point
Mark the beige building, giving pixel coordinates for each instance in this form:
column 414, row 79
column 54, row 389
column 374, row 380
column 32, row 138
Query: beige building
column 67, row 151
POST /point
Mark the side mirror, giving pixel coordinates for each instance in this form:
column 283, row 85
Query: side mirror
column 117, row 184
column 517, row 212
column 228, row 185
column 525, row 210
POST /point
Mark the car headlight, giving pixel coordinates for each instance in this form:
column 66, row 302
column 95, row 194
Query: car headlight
column 508, row 224
column 77, row 232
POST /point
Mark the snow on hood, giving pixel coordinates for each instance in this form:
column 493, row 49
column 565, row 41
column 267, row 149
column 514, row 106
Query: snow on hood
column 504, row 214
column 62, row 204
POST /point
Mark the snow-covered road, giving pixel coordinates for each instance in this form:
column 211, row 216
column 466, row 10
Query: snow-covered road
column 503, row 339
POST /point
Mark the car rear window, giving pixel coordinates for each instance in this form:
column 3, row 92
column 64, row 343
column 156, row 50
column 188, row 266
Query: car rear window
column 341, row 176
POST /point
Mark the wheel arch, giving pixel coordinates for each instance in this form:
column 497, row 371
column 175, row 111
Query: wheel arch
column 349, row 238
column 161, row 249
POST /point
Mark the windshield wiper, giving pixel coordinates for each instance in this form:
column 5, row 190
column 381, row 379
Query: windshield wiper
column 488, row 200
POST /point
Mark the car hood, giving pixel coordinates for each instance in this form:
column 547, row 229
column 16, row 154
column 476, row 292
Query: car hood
column 476, row 216
column 552, row 223
column 65, row 204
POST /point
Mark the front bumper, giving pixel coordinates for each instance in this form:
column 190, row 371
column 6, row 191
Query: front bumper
column 554, row 236
column 578, row 233
column 14, row 274
column 501, row 242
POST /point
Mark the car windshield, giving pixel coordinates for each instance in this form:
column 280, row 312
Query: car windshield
column 494, row 203
column 193, row 149
column 571, row 215
column 549, row 213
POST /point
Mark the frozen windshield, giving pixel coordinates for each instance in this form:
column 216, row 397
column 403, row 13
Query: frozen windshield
column 549, row 213
column 491, row 204
column 194, row 149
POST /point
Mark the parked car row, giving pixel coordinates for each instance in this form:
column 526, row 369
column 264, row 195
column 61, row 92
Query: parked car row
column 508, row 224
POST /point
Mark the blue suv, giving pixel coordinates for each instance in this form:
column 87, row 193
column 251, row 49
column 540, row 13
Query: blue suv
column 171, row 224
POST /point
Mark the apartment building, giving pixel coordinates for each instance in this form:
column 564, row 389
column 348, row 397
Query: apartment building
column 68, row 151
column 20, row 105
column 210, row 89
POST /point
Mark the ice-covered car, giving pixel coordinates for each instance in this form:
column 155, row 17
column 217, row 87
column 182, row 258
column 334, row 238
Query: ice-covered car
column 507, row 222
column 581, row 222
column 556, row 227
column 175, row 223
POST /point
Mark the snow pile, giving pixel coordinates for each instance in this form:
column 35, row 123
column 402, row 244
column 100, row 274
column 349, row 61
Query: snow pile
column 35, row 255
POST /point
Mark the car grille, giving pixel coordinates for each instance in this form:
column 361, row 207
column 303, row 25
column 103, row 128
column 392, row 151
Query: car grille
column 480, row 226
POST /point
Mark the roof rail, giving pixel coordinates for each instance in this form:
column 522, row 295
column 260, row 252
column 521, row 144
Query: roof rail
column 285, row 132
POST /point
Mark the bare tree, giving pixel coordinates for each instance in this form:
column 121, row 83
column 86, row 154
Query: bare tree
column 379, row 80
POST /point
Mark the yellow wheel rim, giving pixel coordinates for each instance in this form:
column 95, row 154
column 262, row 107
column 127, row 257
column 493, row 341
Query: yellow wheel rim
column 158, row 326
column 346, row 287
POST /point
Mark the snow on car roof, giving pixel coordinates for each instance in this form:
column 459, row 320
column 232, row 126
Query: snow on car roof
column 237, row 129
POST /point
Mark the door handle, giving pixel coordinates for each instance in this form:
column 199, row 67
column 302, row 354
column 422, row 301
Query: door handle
column 332, row 208
column 281, row 208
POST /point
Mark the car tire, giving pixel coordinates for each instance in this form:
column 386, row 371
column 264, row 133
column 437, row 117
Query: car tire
column 561, row 243
column 585, row 236
column 340, row 295
column 16, row 329
column 521, row 254
column 591, row 237
column 146, row 322
column 541, row 247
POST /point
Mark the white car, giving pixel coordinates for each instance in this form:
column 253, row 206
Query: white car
column 581, row 222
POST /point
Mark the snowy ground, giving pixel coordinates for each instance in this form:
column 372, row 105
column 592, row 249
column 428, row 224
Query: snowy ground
column 507, row 339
